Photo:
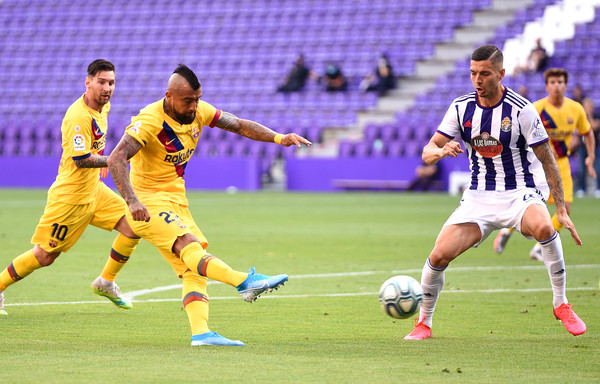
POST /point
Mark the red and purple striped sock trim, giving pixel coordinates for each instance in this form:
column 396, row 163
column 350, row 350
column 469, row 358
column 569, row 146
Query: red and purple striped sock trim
column 203, row 264
column 194, row 296
column 118, row 257
column 13, row 273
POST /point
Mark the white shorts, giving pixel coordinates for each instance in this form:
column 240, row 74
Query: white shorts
column 492, row 210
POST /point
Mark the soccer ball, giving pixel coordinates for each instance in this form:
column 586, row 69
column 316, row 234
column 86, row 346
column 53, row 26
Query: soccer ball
column 401, row 296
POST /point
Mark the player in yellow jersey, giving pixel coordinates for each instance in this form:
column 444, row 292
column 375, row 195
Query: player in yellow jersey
column 78, row 197
column 561, row 117
column 160, row 141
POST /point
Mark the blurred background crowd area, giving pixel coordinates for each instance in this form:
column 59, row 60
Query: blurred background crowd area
column 359, row 78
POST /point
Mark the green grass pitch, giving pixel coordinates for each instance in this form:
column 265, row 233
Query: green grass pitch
column 493, row 322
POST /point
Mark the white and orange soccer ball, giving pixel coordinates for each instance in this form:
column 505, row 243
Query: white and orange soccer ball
column 401, row 296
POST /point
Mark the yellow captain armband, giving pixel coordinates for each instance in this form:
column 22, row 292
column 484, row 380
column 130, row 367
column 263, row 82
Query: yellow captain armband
column 278, row 138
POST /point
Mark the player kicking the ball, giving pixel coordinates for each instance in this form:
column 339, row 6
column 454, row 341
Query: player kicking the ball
column 158, row 208
column 509, row 153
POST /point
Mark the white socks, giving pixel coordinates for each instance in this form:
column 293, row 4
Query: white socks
column 552, row 254
column 432, row 282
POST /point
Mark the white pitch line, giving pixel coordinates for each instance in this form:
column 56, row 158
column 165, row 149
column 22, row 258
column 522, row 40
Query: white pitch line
column 140, row 292
column 349, row 294
column 134, row 294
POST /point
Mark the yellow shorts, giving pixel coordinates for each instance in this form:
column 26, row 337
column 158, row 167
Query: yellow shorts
column 168, row 221
column 565, row 173
column 62, row 224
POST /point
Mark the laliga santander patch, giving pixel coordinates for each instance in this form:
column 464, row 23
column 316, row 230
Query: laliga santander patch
column 486, row 145
column 78, row 142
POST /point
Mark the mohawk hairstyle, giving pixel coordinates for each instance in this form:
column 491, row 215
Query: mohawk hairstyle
column 184, row 71
column 489, row 52
column 99, row 65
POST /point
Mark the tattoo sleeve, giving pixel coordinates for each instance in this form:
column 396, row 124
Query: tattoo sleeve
column 119, row 169
column 546, row 157
column 247, row 128
column 93, row 161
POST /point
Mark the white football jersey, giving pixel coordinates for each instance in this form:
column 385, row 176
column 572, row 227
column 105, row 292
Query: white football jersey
column 498, row 141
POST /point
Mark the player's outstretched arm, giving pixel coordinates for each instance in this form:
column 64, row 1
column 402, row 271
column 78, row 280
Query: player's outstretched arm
column 544, row 154
column 258, row 132
column 439, row 147
column 117, row 164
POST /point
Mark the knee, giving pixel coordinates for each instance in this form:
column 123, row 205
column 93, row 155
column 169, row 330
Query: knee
column 438, row 260
column 43, row 257
column 544, row 231
column 182, row 242
column 124, row 228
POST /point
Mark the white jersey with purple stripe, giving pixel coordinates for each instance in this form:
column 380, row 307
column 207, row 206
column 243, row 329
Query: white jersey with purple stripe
column 498, row 141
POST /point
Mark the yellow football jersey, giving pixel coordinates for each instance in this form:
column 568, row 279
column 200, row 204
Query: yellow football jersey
column 158, row 169
column 560, row 123
column 83, row 134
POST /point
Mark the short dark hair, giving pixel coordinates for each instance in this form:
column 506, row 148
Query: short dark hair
column 99, row 65
column 489, row 52
column 556, row 72
column 184, row 71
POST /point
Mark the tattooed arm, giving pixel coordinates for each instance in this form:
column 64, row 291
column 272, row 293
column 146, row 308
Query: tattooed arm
column 92, row 161
column 256, row 131
column 546, row 157
column 119, row 170
column 544, row 154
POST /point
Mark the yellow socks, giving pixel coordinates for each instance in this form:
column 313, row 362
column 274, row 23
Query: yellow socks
column 122, row 249
column 21, row 266
column 556, row 224
column 195, row 302
column 205, row 264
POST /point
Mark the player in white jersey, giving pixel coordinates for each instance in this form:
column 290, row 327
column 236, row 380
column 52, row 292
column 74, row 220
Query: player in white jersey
column 512, row 166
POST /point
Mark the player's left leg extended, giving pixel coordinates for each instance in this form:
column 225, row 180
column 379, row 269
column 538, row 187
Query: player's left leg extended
column 249, row 285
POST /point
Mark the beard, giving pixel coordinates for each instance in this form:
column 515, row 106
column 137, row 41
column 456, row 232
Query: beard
column 185, row 119
column 103, row 99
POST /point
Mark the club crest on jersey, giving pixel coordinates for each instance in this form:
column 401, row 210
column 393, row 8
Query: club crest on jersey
column 486, row 145
column 506, row 124
column 195, row 132
column 78, row 142
column 52, row 243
